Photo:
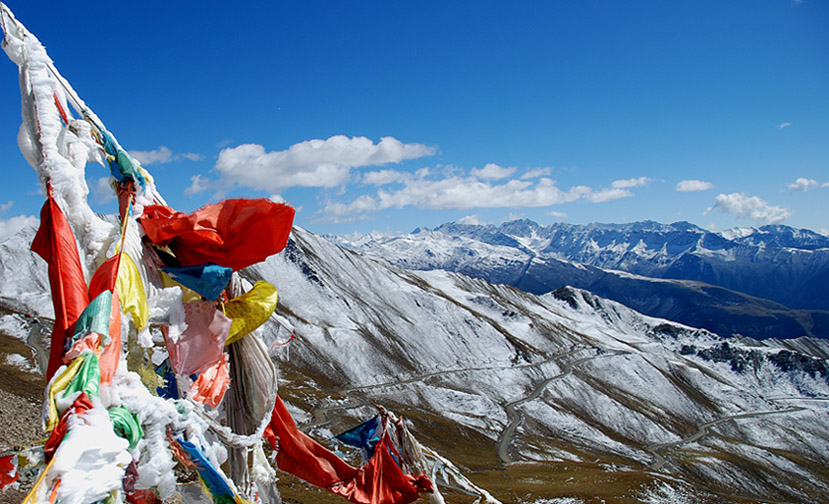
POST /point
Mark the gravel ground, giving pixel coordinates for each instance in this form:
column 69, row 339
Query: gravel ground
column 21, row 400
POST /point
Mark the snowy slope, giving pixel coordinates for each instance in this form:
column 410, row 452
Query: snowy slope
column 616, row 382
column 775, row 262
column 566, row 377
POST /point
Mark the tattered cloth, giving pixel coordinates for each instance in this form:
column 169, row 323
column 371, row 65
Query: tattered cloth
column 380, row 481
column 55, row 243
column 235, row 233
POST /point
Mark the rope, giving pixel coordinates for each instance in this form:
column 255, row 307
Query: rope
column 61, row 110
column 229, row 437
column 3, row 15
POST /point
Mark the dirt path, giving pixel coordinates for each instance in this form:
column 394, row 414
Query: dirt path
column 321, row 417
column 516, row 418
column 445, row 372
column 657, row 449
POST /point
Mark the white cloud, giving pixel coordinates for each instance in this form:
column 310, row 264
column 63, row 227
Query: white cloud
column 459, row 193
column 608, row 195
column 102, row 191
column 803, row 184
column 784, row 125
column 384, row 177
column 12, row 225
column 512, row 216
column 694, row 185
column 335, row 211
column 313, row 163
column 560, row 215
column 628, row 183
column 198, row 184
column 6, row 206
column 751, row 207
column 537, row 172
column 492, row 172
column 163, row 155
column 472, row 220
column 192, row 156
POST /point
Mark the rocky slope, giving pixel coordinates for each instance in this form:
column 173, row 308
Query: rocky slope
column 538, row 397
column 644, row 265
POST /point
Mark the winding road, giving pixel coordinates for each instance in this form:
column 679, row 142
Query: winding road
column 657, row 449
column 321, row 415
column 444, row 372
column 516, row 418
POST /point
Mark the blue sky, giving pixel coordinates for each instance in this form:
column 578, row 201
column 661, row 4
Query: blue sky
column 392, row 115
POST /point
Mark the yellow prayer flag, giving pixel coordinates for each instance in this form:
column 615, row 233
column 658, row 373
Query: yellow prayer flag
column 250, row 310
column 131, row 293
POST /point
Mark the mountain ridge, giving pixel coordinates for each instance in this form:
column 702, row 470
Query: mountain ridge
column 716, row 284
column 593, row 399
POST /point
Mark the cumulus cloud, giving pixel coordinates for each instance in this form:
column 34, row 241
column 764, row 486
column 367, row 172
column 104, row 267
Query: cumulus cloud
column 492, row 172
column 163, row 155
column 560, row 215
column 784, row 125
column 101, row 190
column 537, row 172
column 476, row 189
column 463, row 193
column 456, row 192
column 694, row 185
column 608, row 195
column 192, row 156
column 6, row 206
column 751, row 207
column 198, row 184
column 12, row 225
column 313, row 163
column 472, row 220
column 336, row 211
column 628, row 183
column 384, row 177
column 803, row 184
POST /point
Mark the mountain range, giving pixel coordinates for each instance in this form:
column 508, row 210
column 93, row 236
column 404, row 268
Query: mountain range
column 564, row 397
column 766, row 282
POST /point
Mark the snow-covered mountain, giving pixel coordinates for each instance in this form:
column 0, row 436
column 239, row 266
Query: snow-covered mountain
column 538, row 397
column 767, row 282
column 787, row 265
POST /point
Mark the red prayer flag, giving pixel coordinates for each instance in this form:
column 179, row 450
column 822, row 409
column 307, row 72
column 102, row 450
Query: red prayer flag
column 234, row 233
column 380, row 481
column 302, row 456
column 81, row 405
column 104, row 279
column 8, row 471
column 55, row 243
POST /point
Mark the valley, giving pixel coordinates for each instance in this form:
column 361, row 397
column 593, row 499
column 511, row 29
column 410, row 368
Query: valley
column 560, row 396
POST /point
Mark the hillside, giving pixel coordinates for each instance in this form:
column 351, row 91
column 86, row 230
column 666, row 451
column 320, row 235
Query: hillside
column 640, row 266
column 538, row 396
